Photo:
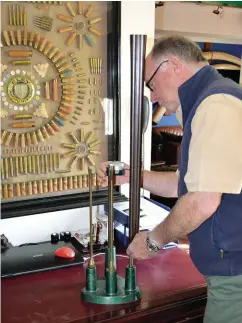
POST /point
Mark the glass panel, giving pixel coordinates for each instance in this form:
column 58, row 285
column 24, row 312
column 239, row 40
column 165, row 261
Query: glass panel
column 56, row 109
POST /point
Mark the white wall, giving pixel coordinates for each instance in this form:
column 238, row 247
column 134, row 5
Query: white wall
column 199, row 22
column 38, row 227
column 137, row 17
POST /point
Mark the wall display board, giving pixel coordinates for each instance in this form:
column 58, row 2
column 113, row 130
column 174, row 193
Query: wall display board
column 56, row 116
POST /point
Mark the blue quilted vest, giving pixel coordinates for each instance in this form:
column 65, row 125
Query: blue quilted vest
column 215, row 246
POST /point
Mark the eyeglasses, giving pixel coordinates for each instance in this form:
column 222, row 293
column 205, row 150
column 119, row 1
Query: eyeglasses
column 153, row 75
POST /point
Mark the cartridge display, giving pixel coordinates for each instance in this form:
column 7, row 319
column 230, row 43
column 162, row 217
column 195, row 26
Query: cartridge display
column 53, row 79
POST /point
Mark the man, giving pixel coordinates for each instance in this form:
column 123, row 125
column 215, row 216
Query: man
column 209, row 181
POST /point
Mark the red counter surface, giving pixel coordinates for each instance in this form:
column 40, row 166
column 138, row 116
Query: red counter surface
column 172, row 290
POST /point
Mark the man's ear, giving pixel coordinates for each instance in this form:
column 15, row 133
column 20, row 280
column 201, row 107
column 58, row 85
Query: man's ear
column 176, row 65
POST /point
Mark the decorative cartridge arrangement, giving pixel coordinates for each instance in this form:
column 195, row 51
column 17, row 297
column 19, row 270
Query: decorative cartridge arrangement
column 17, row 15
column 44, row 23
column 35, row 164
column 82, row 148
column 46, row 96
column 50, row 185
column 80, row 25
column 96, row 65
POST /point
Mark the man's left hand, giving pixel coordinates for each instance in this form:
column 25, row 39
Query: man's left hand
column 138, row 247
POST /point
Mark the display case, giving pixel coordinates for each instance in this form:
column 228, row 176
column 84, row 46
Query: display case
column 59, row 102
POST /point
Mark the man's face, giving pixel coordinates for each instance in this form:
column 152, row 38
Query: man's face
column 161, row 81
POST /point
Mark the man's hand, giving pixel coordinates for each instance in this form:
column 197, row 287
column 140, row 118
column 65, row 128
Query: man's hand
column 138, row 247
column 118, row 180
column 190, row 211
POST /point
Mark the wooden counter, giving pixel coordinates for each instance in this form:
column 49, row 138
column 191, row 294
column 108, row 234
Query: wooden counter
column 172, row 291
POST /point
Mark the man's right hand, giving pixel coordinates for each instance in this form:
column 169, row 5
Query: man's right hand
column 118, row 180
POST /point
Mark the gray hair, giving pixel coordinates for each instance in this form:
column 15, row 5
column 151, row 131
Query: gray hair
column 178, row 46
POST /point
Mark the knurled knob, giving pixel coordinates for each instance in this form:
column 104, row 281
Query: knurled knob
column 118, row 168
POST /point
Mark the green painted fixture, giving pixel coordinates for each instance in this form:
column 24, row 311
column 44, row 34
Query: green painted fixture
column 111, row 288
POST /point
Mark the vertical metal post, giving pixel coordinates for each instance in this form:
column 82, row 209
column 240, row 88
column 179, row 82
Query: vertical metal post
column 110, row 217
column 91, row 261
column 138, row 48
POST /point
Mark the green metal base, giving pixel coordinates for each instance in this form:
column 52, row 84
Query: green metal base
column 110, row 289
column 100, row 296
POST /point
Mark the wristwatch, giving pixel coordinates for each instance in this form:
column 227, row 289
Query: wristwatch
column 151, row 244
